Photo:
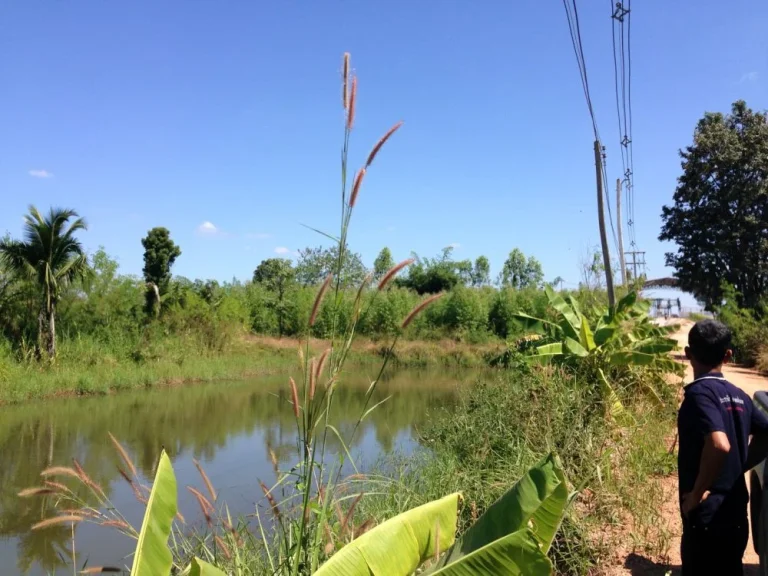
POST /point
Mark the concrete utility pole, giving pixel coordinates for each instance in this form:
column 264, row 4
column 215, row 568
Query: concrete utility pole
column 601, row 219
column 621, row 240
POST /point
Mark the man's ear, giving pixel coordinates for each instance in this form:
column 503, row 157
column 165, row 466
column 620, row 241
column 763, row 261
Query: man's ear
column 728, row 357
column 688, row 352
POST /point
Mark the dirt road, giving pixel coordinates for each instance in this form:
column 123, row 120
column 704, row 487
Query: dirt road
column 634, row 564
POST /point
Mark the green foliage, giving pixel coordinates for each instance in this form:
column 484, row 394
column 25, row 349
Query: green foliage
column 52, row 258
column 481, row 272
column 719, row 213
column 382, row 264
column 314, row 265
column 749, row 326
column 519, row 272
column 614, row 343
column 160, row 252
column 276, row 275
column 152, row 556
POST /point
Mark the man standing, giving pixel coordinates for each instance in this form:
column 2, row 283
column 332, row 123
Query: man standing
column 714, row 424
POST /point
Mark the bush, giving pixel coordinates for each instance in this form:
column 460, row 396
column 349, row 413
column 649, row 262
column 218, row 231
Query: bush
column 750, row 330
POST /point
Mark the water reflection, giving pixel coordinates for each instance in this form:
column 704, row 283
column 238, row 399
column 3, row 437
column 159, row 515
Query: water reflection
column 227, row 426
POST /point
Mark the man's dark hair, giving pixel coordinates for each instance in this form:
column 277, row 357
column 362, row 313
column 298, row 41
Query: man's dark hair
column 709, row 340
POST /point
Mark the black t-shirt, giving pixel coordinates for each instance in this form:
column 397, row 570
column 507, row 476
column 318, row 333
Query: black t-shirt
column 712, row 404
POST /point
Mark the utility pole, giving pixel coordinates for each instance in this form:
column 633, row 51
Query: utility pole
column 601, row 219
column 621, row 240
column 637, row 262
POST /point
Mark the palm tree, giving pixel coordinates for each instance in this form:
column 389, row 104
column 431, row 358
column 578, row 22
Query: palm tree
column 51, row 256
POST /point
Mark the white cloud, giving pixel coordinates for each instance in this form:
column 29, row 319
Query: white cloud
column 207, row 229
column 282, row 250
column 40, row 174
column 749, row 77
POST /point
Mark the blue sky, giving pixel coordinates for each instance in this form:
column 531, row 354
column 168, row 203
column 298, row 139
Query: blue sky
column 179, row 113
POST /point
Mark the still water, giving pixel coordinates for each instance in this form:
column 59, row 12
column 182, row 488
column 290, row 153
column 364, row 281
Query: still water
column 229, row 428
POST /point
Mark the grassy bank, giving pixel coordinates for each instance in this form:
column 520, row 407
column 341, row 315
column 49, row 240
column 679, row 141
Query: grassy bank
column 87, row 367
column 504, row 424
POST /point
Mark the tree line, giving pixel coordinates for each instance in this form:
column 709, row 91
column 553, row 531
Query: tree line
column 49, row 285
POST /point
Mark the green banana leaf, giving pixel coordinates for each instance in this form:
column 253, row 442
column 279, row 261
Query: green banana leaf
column 631, row 357
column 538, row 499
column 200, row 568
column 400, row 545
column 587, row 338
column 546, row 353
column 626, row 303
column 613, row 403
column 533, row 325
column 515, row 554
column 605, row 332
column 152, row 556
column 575, row 348
column 656, row 346
column 572, row 322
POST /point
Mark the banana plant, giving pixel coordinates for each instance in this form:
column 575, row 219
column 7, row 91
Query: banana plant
column 620, row 338
column 511, row 537
column 152, row 556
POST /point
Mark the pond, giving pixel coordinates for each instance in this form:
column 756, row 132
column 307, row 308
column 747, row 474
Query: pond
column 228, row 427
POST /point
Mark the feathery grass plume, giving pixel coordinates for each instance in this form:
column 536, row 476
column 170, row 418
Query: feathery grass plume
column 61, row 471
column 134, row 487
column 123, row 454
column 319, row 299
column 206, row 480
column 204, row 502
column 57, row 520
column 301, row 357
column 356, row 187
column 417, row 310
column 351, row 106
column 181, row 518
column 27, row 492
column 437, row 540
column 58, row 486
column 331, row 381
column 392, row 272
column 273, row 459
column 101, row 570
column 87, row 480
column 364, row 527
column 345, row 81
column 116, row 524
column 329, row 539
column 271, row 500
column 321, row 364
column 220, row 543
column 350, row 512
column 380, row 143
column 312, row 378
column 294, row 397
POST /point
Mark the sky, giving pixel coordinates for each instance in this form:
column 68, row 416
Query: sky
column 222, row 121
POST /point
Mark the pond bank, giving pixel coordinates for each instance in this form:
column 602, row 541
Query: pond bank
column 82, row 370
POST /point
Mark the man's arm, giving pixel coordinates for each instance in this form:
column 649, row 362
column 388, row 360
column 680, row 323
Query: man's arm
column 713, row 455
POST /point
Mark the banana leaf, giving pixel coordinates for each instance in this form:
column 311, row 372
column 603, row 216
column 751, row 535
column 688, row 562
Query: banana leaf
column 615, row 408
column 546, row 353
column 587, row 338
column 515, row 554
column 626, row 303
column 656, row 346
column 538, row 499
column 152, row 556
column 575, row 348
column 201, row 568
column 572, row 322
column 631, row 357
column 400, row 545
column 530, row 324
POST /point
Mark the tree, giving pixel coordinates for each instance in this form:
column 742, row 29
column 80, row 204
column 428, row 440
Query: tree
column 432, row 275
column 382, row 263
column 314, row 264
column 481, row 274
column 53, row 257
column 160, row 252
column 521, row 273
column 276, row 275
column 719, row 219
